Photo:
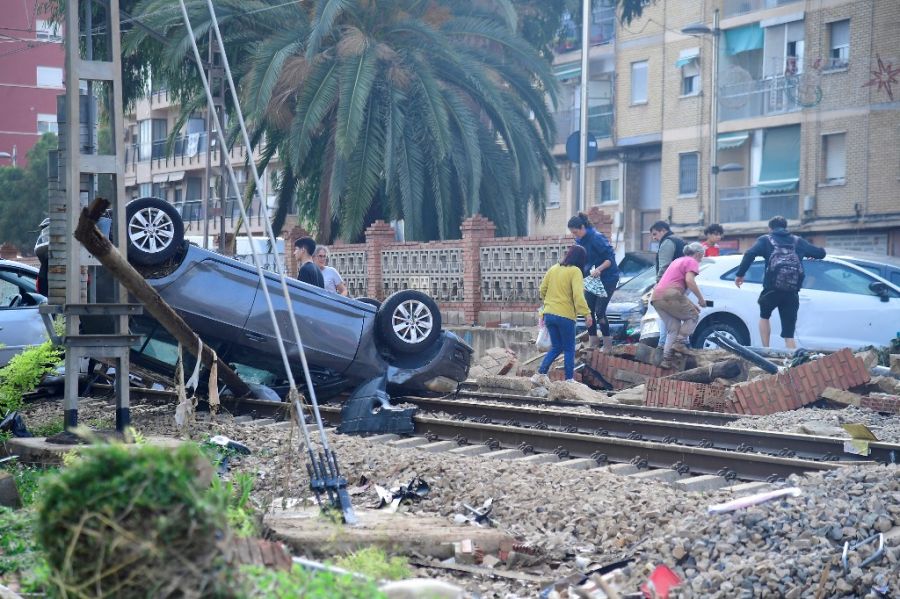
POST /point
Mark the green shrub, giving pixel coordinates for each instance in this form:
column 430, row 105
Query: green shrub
column 24, row 372
column 261, row 583
column 134, row 521
column 20, row 554
column 375, row 563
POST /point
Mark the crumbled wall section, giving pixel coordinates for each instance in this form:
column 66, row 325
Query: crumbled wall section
column 881, row 402
column 800, row 385
column 614, row 368
column 668, row 393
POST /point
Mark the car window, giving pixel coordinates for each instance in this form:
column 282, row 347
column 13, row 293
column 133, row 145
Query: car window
column 755, row 273
column 12, row 283
column 631, row 266
column 895, row 278
column 7, row 292
column 836, row 278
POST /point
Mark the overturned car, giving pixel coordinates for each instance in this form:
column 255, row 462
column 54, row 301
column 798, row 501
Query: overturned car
column 350, row 344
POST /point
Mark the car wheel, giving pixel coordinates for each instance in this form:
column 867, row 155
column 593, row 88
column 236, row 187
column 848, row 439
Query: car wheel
column 370, row 301
column 408, row 321
column 702, row 337
column 154, row 230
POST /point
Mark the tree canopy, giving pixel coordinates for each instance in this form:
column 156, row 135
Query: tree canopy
column 23, row 197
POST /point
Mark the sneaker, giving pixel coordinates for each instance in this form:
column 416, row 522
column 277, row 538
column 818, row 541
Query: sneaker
column 666, row 363
column 682, row 348
column 541, row 380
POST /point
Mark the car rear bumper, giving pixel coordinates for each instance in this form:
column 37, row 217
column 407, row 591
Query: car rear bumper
column 446, row 365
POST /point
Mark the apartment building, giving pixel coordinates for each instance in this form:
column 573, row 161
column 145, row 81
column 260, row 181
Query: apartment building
column 799, row 97
column 31, row 76
column 176, row 170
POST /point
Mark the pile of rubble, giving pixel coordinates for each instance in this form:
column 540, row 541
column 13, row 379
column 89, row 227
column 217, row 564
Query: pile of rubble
column 713, row 380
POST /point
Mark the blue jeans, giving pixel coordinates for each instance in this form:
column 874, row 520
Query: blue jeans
column 562, row 341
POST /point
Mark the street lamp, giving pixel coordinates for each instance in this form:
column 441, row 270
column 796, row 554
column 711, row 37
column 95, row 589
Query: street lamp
column 10, row 156
column 716, row 33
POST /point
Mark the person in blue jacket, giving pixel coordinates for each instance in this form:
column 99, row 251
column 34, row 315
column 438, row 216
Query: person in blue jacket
column 601, row 262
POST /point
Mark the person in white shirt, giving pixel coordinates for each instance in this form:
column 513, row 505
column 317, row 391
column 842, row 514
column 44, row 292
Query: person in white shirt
column 333, row 280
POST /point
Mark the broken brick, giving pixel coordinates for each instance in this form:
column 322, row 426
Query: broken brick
column 684, row 395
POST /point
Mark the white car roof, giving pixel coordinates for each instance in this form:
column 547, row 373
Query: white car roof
column 716, row 266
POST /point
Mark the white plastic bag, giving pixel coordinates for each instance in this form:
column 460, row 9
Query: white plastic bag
column 543, row 339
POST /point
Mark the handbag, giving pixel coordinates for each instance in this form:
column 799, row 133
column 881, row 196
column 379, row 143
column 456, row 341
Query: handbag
column 543, row 343
column 594, row 285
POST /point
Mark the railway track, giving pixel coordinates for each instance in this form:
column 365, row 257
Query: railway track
column 646, row 443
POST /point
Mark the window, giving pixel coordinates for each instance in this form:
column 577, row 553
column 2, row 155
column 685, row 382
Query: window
column 158, row 191
column 554, row 191
column 194, row 189
column 145, row 139
column 159, row 132
column 688, row 166
column 690, row 79
column 836, row 278
column 834, row 148
column 49, row 77
column 639, row 82
column 45, row 30
column 839, row 44
column 46, row 123
column 606, row 184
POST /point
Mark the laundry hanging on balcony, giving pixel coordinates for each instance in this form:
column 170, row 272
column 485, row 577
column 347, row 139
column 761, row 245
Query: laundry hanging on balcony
column 780, row 169
column 744, row 39
column 728, row 141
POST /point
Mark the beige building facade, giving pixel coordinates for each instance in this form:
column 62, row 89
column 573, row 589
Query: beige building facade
column 800, row 96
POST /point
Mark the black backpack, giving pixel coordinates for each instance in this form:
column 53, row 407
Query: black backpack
column 784, row 271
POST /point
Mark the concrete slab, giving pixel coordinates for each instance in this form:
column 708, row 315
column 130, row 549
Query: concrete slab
column 409, row 443
column 705, row 482
column 506, row 454
column 470, row 450
column 623, row 469
column 36, row 450
column 438, row 446
column 242, row 419
column 284, row 424
column 662, row 475
column 262, row 422
column 382, row 439
column 578, row 464
column 310, row 533
column 540, row 458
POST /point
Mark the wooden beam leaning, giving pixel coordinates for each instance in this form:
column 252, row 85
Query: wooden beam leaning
column 106, row 253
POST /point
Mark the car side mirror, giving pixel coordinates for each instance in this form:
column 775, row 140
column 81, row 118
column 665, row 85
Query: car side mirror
column 881, row 290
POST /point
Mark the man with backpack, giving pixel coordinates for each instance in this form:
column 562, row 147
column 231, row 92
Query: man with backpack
column 783, row 278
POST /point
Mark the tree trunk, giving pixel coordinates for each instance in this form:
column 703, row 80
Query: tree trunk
column 107, row 254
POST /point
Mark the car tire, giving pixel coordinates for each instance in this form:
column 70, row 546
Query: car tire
column 408, row 321
column 370, row 301
column 154, row 230
column 700, row 338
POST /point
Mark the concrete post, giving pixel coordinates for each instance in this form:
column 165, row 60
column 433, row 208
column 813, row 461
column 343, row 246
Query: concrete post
column 378, row 236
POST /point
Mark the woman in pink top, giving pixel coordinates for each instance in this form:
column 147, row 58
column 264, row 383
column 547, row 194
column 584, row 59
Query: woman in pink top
column 671, row 303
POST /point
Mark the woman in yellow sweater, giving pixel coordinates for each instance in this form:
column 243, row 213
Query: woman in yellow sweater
column 563, row 293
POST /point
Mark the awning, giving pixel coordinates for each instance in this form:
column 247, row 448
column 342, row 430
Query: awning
column 160, row 178
column 686, row 57
column 726, row 141
column 780, row 169
column 176, row 176
column 743, row 39
column 569, row 70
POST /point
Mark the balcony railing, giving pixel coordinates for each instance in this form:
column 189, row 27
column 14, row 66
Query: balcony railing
column 600, row 119
column 186, row 150
column 748, row 204
column 193, row 216
column 775, row 95
column 742, row 7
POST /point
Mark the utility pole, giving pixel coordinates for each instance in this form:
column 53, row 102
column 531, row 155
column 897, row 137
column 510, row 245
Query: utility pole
column 209, row 57
column 585, row 82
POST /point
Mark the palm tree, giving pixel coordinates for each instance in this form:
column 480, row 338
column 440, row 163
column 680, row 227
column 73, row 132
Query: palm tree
column 425, row 110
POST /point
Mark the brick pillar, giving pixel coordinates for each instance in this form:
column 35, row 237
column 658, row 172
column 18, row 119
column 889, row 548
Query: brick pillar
column 290, row 263
column 8, row 251
column 378, row 235
column 601, row 220
column 474, row 231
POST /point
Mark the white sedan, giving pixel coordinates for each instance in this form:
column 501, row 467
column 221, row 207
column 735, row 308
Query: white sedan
column 841, row 305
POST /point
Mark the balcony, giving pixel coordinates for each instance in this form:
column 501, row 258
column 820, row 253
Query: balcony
column 749, row 204
column 186, row 150
column 192, row 214
column 764, row 97
column 600, row 120
column 733, row 8
column 603, row 31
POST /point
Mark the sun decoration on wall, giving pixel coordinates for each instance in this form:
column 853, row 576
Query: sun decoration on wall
column 884, row 77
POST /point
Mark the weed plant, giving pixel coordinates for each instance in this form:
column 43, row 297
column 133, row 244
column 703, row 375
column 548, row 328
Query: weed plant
column 261, row 583
column 24, row 372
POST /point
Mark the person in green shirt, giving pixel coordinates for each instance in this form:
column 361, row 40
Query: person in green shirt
column 562, row 291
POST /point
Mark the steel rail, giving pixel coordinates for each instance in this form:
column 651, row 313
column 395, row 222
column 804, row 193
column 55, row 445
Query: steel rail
column 672, row 414
column 681, row 433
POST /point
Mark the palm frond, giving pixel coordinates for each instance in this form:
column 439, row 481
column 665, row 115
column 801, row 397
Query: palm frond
column 356, row 76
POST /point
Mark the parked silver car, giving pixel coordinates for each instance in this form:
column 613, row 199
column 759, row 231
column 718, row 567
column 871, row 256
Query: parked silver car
column 20, row 324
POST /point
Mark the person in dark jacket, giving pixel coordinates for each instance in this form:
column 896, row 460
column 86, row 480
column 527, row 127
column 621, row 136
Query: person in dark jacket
column 601, row 262
column 304, row 250
column 669, row 249
column 787, row 301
